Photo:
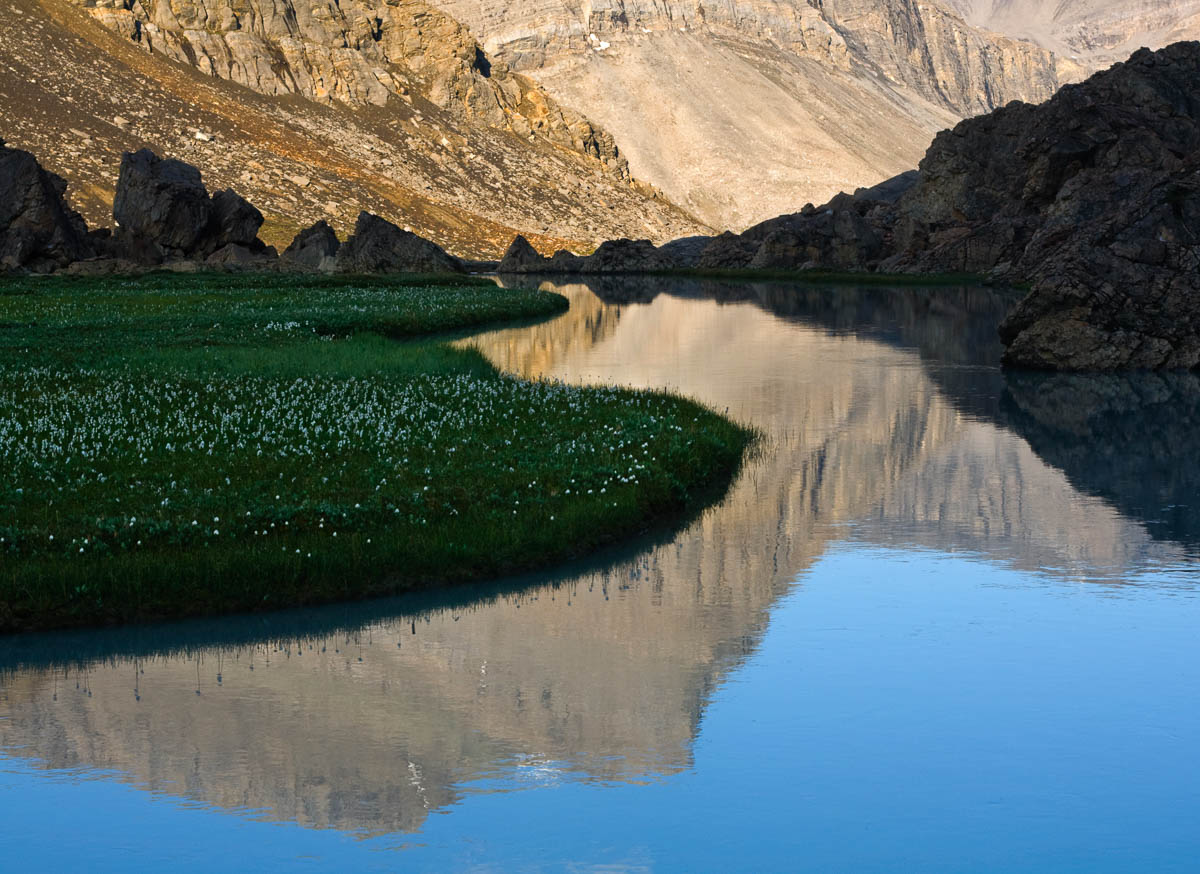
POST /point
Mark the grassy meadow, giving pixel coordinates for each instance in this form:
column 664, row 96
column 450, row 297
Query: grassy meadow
column 184, row 445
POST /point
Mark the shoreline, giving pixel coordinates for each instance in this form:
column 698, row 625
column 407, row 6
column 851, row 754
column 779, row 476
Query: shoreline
column 125, row 541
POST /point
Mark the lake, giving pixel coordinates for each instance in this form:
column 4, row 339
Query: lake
column 944, row 620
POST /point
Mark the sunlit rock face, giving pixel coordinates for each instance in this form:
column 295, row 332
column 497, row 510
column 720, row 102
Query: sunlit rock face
column 741, row 111
column 598, row 672
column 350, row 52
column 1089, row 34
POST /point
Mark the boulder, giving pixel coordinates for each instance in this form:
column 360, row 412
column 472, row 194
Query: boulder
column 236, row 256
column 685, row 251
column 729, row 251
column 890, row 190
column 163, row 213
column 378, row 246
column 161, row 207
column 235, row 220
column 38, row 231
column 314, row 248
column 103, row 267
column 521, row 257
column 563, row 261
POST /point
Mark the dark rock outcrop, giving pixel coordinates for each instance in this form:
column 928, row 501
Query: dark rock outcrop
column 729, row 251
column 521, row 257
column 38, row 231
column 1006, row 188
column 1122, row 291
column 563, row 261
column 613, row 256
column 378, row 246
column 1092, row 197
column 685, row 251
column 236, row 221
column 845, row 234
column 314, row 248
column 163, row 213
column 627, row 256
column 235, row 256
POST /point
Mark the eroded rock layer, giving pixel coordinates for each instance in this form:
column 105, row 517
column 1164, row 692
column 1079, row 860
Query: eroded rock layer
column 352, row 52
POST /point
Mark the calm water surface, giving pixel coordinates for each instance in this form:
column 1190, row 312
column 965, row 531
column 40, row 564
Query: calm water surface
column 945, row 620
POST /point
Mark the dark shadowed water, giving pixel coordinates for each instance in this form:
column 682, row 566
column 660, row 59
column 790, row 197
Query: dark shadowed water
column 947, row 619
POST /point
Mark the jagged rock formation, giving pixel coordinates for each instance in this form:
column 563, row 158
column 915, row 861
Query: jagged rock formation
column 77, row 94
column 163, row 212
column 38, row 231
column 378, row 246
column 743, row 110
column 521, row 257
column 612, row 256
column 1121, row 291
column 1095, row 197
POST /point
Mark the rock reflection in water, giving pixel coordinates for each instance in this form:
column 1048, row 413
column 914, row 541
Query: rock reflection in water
column 1132, row 439
column 880, row 422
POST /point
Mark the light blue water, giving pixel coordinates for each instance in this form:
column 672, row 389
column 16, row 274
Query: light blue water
column 945, row 621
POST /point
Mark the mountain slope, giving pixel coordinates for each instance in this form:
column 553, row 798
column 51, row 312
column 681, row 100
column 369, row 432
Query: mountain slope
column 1092, row 33
column 77, row 91
column 742, row 110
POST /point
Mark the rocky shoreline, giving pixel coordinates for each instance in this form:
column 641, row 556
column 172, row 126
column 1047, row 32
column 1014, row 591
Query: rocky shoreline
column 1092, row 198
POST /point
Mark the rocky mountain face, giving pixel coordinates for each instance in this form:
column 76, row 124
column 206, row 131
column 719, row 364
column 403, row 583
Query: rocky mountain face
column 1087, row 34
column 461, row 152
column 1095, row 198
column 353, row 53
column 743, row 110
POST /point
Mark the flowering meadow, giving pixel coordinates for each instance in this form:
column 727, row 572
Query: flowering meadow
column 182, row 445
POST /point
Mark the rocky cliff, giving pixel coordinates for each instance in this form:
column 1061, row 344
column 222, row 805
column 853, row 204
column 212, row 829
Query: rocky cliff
column 1087, row 34
column 743, row 110
column 1095, row 198
column 462, row 153
column 352, row 52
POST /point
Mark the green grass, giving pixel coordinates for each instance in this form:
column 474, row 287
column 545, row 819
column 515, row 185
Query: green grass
column 186, row 445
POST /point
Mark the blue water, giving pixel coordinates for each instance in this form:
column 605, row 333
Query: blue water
column 945, row 622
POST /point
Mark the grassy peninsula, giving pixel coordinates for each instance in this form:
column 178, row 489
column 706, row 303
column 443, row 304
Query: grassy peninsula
column 186, row 445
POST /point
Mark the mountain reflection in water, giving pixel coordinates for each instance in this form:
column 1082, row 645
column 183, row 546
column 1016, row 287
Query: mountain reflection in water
column 885, row 421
